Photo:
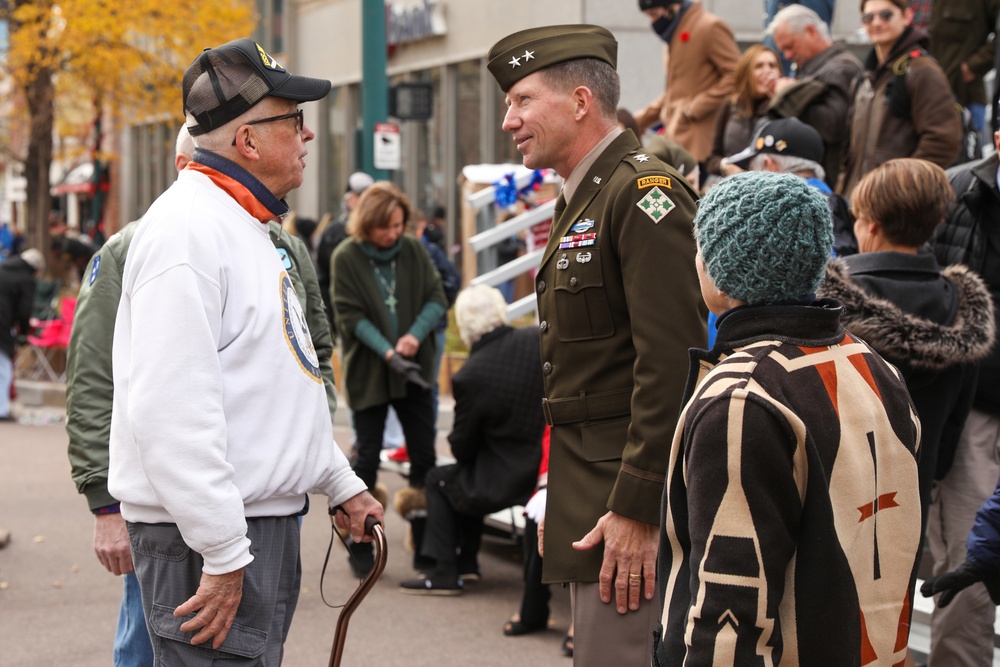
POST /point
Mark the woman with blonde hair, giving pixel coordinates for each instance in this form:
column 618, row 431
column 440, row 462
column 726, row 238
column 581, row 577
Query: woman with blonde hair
column 756, row 73
column 387, row 298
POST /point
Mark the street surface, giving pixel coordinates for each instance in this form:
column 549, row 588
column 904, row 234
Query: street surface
column 59, row 606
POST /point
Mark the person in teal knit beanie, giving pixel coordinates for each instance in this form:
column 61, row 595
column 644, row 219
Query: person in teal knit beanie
column 791, row 506
column 764, row 237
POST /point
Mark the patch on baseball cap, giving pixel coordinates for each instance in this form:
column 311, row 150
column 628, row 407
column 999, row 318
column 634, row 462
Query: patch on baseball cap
column 785, row 136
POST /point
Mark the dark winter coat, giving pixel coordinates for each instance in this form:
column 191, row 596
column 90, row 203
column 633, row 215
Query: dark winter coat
column 971, row 236
column 820, row 98
column 733, row 133
column 933, row 324
column 334, row 234
column 908, row 115
column 497, row 435
column 983, row 545
column 17, row 295
column 355, row 295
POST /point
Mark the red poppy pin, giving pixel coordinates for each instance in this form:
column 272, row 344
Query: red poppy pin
column 685, row 36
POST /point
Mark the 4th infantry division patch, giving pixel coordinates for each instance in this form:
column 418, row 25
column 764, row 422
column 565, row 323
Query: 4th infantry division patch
column 656, row 205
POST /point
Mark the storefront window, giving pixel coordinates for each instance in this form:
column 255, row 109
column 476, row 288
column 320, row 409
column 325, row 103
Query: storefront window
column 504, row 146
column 270, row 26
column 152, row 159
column 468, row 84
column 338, row 145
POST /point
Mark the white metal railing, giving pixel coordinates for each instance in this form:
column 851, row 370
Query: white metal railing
column 499, row 233
column 491, row 237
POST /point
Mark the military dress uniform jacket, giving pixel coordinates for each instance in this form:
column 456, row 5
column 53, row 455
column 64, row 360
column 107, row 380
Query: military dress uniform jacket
column 88, row 369
column 619, row 306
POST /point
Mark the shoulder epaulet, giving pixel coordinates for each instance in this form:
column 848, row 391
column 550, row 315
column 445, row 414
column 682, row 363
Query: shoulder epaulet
column 651, row 171
column 643, row 161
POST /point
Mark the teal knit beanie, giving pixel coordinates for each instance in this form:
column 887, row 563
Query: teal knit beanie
column 764, row 237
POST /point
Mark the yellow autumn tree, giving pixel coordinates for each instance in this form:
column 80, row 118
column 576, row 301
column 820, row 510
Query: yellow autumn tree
column 123, row 57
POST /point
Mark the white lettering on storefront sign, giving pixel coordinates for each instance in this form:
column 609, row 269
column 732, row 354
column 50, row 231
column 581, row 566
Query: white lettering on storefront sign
column 414, row 22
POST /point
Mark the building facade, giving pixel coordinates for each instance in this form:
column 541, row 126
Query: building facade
column 442, row 43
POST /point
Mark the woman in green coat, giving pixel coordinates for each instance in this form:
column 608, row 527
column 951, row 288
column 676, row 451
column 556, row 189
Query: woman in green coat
column 387, row 297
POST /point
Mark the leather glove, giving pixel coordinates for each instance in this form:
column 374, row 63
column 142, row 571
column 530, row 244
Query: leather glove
column 408, row 369
column 966, row 574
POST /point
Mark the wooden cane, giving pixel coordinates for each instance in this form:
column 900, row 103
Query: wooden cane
column 374, row 528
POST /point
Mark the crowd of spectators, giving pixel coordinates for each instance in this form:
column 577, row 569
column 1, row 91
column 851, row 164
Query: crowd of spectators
column 863, row 247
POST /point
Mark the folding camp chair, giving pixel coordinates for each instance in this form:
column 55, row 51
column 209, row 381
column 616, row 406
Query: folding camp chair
column 46, row 351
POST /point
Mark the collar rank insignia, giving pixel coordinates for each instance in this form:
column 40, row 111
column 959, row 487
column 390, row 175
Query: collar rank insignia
column 641, row 157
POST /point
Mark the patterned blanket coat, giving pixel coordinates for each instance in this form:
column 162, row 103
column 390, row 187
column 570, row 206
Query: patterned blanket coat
column 791, row 514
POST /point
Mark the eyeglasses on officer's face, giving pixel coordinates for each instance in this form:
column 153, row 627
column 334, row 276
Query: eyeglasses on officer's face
column 297, row 115
column 885, row 15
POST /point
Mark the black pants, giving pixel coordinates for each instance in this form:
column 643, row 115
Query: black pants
column 451, row 538
column 535, row 601
column 416, row 414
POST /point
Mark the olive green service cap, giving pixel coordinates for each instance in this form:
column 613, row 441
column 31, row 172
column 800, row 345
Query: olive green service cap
column 516, row 56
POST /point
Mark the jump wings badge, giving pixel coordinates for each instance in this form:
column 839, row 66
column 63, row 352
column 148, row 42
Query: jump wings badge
column 656, row 205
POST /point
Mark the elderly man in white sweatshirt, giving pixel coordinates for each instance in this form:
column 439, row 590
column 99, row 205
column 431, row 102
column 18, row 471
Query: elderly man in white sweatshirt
column 220, row 425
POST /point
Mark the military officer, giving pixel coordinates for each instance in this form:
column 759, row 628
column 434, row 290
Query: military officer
column 619, row 306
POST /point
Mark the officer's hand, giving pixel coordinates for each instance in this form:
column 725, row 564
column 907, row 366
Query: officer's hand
column 951, row 583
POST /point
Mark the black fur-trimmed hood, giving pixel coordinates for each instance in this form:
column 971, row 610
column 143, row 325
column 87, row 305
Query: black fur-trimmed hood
column 905, row 338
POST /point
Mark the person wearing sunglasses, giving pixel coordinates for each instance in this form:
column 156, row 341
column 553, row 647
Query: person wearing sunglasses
column 902, row 104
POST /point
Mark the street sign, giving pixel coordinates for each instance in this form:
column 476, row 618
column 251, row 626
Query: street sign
column 17, row 189
column 388, row 148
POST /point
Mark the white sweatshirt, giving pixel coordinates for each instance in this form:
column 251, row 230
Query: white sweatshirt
column 219, row 407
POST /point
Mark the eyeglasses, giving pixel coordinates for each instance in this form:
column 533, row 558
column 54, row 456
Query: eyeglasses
column 297, row 115
column 885, row 15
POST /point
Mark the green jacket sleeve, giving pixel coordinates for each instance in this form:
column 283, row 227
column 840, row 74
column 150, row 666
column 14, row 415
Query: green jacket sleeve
column 89, row 383
column 303, row 275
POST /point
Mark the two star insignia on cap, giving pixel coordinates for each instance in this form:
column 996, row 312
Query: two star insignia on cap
column 516, row 61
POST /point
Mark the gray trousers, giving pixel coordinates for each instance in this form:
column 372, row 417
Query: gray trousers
column 602, row 636
column 169, row 573
column 962, row 632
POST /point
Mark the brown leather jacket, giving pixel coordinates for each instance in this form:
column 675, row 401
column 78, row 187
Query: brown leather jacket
column 931, row 129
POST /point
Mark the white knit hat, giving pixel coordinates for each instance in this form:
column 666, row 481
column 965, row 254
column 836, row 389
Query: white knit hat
column 34, row 258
